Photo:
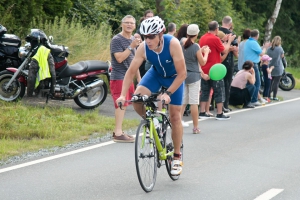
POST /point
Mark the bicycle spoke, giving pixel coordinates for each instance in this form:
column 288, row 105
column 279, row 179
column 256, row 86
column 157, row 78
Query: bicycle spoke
column 146, row 158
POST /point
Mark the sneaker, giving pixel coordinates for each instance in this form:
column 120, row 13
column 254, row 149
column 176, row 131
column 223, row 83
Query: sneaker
column 226, row 110
column 184, row 124
column 204, row 115
column 196, row 130
column 124, row 138
column 222, row 117
column 275, row 99
column 267, row 99
column 263, row 101
column 176, row 167
column 256, row 104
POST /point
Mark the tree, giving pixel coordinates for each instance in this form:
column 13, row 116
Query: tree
column 19, row 13
column 271, row 21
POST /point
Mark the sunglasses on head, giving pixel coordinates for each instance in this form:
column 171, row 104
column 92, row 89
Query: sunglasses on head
column 150, row 37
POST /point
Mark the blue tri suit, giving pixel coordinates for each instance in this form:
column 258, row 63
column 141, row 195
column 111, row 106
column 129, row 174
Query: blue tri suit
column 162, row 71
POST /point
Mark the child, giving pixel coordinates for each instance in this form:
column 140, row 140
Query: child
column 265, row 59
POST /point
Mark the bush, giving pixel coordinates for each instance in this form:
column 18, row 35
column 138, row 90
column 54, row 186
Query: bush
column 84, row 42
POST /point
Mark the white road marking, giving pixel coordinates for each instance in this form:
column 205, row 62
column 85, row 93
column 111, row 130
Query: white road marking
column 249, row 109
column 55, row 157
column 110, row 142
column 269, row 194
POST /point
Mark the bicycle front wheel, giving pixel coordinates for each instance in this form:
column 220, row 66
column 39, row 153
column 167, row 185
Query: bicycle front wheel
column 145, row 157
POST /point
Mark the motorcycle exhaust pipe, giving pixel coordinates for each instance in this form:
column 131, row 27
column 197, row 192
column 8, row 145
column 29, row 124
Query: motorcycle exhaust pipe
column 87, row 88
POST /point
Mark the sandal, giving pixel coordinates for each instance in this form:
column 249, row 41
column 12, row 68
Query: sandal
column 210, row 114
column 130, row 136
column 196, row 130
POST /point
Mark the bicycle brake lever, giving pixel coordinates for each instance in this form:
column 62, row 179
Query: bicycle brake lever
column 120, row 105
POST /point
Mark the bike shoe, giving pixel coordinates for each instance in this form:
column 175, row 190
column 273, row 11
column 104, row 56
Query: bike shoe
column 176, row 167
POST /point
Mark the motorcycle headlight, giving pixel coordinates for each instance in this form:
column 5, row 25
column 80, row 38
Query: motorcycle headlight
column 22, row 52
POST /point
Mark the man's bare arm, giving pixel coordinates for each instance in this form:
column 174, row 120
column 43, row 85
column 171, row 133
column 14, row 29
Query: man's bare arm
column 133, row 69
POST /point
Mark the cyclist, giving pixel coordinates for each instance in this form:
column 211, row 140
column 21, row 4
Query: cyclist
column 168, row 70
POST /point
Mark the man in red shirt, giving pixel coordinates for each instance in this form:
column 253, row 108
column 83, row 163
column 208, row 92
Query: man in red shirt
column 217, row 47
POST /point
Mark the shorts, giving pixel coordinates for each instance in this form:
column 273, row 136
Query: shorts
column 218, row 90
column 116, row 89
column 154, row 81
column 191, row 93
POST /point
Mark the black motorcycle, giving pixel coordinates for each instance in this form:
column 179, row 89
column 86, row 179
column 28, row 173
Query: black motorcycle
column 80, row 81
column 286, row 83
column 9, row 49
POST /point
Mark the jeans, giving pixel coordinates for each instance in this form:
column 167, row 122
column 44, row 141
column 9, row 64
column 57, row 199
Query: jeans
column 227, row 85
column 256, row 84
column 251, row 89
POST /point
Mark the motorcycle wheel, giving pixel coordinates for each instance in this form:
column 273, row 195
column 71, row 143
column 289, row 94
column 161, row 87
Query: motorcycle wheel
column 94, row 97
column 15, row 91
column 287, row 82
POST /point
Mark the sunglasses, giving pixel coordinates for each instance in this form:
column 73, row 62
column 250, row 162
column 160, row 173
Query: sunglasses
column 150, row 37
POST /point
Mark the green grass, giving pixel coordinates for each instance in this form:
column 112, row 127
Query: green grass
column 296, row 74
column 27, row 128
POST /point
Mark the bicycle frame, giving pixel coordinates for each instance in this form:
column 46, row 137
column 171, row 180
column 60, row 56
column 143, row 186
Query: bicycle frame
column 162, row 151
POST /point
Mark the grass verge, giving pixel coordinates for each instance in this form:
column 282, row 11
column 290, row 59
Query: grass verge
column 29, row 128
column 296, row 75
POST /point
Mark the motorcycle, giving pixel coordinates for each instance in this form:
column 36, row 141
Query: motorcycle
column 80, row 81
column 286, row 83
column 9, row 48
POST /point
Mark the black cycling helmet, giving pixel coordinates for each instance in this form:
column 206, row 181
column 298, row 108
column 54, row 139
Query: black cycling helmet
column 3, row 30
column 36, row 36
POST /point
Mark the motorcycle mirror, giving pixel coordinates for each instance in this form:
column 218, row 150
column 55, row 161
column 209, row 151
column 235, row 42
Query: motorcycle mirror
column 51, row 38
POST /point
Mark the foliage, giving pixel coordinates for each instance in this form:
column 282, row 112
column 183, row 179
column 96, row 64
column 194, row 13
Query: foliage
column 32, row 128
column 108, row 11
column 84, row 43
column 17, row 14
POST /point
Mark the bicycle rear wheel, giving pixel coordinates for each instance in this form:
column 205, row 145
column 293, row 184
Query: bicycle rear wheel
column 145, row 157
column 168, row 142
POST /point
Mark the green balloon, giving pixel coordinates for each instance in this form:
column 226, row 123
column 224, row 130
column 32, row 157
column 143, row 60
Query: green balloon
column 217, row 72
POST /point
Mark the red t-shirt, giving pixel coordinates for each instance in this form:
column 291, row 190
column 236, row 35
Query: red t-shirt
column 216, row 47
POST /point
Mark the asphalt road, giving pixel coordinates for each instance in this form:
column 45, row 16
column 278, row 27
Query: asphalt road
column 255, row 155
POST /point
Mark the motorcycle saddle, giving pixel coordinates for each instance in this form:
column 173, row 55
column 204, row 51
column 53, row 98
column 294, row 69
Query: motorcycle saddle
column 83, row 67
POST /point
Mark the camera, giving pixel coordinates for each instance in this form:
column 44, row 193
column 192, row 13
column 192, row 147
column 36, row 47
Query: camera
column 234, row 42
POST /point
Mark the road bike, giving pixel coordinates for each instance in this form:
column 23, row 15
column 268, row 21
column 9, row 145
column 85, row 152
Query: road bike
column 153, row 143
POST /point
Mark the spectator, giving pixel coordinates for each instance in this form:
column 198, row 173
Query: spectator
column 146, row 64
column 182, row 32
column 229, row 60
column 276, row 53
column 210, row 104
column 168, row 70
column 216, row 47
column 147, row 14
column 245, row 37
column 252, row 52
column 122, row 50
column 193, row 61
column 242, row 86
column 171, row 28
column 265, row 60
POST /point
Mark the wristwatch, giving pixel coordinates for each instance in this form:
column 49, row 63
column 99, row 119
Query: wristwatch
column 168, row 93
column 129, row 47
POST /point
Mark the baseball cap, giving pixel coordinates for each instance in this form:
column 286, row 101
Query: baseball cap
column 193, row 29
column 266, row 58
